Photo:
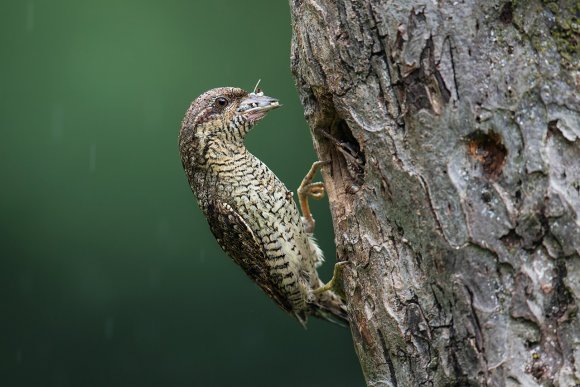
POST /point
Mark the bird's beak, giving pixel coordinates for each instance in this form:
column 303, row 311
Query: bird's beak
column 256, row 105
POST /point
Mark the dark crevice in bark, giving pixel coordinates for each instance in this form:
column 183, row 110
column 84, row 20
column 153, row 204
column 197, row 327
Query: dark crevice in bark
column 476, row 324
column 388, row 359
column 424, row 87
column 348, row 147
column 562, row 302
column 455, row 82
column 433, row 211
column 506, row 14
column 489, row 150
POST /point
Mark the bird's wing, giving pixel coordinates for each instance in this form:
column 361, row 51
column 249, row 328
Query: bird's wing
column 236, row 238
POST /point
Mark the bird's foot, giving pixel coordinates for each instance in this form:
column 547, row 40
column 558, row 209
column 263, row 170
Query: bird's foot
column 335, row 284
column 308, row 189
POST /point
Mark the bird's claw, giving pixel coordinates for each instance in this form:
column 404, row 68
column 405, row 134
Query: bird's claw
column 314, row 190
column 335, row 284
column 308, row 189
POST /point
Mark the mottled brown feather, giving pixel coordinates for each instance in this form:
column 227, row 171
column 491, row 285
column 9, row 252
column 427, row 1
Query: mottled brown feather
column 236, row 238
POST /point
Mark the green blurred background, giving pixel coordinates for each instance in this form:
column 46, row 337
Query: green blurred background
column 109, row 275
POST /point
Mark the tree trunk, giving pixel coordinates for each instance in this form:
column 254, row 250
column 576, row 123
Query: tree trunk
column 453, row 131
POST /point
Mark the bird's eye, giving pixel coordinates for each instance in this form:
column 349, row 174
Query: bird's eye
column 221, row 101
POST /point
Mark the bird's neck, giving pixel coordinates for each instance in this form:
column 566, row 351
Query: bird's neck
column 219, row 152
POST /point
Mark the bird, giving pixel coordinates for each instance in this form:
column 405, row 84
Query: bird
column 250, row 212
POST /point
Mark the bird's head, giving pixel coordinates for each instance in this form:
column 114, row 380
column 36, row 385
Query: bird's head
column 225, row 115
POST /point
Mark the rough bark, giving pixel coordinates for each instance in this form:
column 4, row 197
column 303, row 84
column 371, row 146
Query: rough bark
column 453, row 133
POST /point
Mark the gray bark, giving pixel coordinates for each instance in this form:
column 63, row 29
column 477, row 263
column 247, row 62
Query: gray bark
column 453, row 131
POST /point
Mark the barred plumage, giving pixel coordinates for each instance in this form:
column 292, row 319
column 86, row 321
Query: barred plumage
column 249, row 210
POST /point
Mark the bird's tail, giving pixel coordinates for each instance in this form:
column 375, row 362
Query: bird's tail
column 330, row 306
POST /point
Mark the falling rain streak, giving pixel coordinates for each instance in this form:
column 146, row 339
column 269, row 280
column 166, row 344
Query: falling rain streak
column 109, row 328
column 93, row 158
column 57, row 123
column 30, row 16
